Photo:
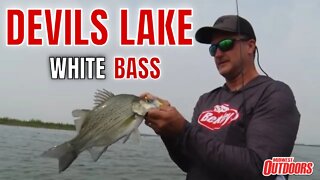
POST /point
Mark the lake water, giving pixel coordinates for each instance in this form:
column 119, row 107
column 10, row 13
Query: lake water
column 20, row 148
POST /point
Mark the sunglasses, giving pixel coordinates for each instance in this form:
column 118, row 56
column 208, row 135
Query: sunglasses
column 224, row 45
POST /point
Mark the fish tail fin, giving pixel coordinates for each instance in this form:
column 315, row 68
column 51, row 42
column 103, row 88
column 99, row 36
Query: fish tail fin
column 64, row 152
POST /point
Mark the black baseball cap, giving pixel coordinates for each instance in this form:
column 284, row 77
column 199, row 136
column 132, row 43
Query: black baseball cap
column 227, row 23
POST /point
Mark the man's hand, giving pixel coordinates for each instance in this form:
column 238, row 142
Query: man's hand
column 166, row 120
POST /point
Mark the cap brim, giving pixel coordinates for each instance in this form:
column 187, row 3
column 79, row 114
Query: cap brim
column 205, row 34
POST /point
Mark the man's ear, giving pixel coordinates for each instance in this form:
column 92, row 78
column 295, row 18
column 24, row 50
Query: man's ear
column 251, row 46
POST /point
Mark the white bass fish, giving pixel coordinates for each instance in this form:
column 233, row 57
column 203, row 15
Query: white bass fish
column 114, row 117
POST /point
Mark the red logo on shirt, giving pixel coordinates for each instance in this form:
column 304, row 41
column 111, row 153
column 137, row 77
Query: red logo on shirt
column 218, row 117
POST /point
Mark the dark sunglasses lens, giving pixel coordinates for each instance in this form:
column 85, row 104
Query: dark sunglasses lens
column 226, row 44
column 213, row 49
column 223, row 45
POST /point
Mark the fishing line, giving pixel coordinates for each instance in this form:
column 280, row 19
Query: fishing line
column 257, row 50
column 259, row 62
column 242, row 72
column 239, row 34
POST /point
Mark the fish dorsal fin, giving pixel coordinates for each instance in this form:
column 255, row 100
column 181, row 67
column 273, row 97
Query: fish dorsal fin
column 97, row 151
column 82, row 114
column 101, row 96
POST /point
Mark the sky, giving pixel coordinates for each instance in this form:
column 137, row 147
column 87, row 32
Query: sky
column 287, row 37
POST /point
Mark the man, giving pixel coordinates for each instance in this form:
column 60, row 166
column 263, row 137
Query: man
column 235, row 127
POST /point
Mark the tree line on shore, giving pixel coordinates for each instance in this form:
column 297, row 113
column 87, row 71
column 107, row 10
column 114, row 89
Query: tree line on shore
column 40, row 124
column 35, row 123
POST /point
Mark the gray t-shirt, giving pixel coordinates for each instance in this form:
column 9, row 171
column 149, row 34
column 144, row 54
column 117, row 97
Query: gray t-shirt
column 232, row 133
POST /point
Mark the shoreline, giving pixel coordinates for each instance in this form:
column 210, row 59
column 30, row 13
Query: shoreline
column 34, row 123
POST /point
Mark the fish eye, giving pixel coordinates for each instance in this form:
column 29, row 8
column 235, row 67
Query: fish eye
column 148, row 100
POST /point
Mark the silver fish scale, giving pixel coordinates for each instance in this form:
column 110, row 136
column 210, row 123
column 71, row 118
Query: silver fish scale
column 104, row 124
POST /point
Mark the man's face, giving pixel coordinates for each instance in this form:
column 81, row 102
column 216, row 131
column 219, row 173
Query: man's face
column 229, row 63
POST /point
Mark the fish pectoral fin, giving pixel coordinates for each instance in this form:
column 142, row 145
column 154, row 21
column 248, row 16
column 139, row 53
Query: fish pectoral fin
column 82, row 114
column 97, row 151
column 126, row 138
column 134, row 136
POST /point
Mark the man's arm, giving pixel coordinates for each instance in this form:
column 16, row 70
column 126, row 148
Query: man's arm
column 175, row 153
